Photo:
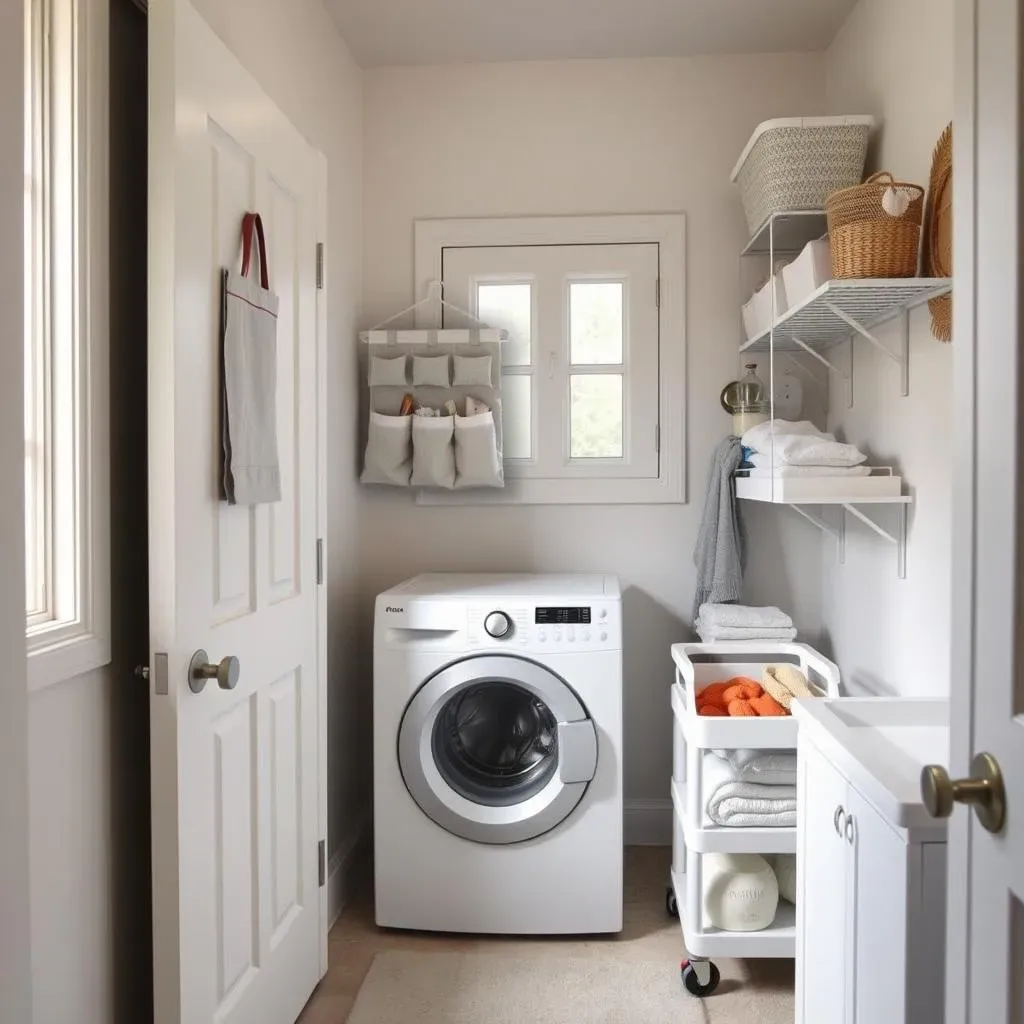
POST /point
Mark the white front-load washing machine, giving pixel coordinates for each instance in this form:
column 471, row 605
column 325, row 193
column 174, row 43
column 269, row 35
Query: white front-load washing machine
column 497, row 712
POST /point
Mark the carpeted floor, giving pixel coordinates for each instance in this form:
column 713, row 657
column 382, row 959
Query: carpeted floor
column 592, row 980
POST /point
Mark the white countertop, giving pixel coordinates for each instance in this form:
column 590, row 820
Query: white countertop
column 881, row 744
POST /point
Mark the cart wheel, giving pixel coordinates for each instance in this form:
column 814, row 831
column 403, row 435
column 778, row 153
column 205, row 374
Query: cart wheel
column 670, row 902
column 700, row 977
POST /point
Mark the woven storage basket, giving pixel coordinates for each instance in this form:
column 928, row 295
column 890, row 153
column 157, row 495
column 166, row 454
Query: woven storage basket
column 795, row 163
column 867, row 241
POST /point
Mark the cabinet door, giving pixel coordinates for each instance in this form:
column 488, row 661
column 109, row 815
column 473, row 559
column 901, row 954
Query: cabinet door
column 822, row 892
column 881, row 894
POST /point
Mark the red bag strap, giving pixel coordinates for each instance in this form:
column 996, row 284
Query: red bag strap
column 249, row 221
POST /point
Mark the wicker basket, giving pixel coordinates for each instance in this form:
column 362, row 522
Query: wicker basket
column 869, row 241
column 794, row 163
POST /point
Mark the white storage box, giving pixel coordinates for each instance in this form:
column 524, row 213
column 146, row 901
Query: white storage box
column 758, row 313
column 808, row 272
column 796, row 163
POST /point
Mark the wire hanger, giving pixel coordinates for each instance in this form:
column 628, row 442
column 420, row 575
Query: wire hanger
column 434, row 291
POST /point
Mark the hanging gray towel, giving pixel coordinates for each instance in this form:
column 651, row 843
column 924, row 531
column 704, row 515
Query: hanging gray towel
column 719, row 553
column 252, row 474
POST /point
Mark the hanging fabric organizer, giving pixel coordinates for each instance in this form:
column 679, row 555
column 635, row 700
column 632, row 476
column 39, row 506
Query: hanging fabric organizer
column 445, row 370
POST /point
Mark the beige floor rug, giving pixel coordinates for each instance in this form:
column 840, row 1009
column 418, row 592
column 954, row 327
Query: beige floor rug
column 471, row 988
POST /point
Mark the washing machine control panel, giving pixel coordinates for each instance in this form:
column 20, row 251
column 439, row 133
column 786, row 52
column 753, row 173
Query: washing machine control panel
column 547, row 627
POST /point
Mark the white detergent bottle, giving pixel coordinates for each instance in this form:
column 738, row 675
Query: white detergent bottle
column 741, row 892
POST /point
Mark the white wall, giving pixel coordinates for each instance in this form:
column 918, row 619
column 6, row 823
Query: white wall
column 617, row 136
column 15, row 973
column 299, row 57
column 895, row 60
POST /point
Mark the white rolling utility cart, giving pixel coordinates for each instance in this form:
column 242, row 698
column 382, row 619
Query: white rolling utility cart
column 694, row 835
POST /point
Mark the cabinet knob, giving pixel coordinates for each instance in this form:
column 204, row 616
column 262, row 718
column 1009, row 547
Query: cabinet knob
column 984, row 791
column 839, row 821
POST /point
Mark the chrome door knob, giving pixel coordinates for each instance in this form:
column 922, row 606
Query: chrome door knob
column 226, row 672
column 498, row 625
column 984, row 791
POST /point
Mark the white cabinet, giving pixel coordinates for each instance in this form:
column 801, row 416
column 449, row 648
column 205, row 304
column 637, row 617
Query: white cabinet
column 871, row 910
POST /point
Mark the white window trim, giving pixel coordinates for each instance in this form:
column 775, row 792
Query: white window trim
column 432, row 237
column 63, row 650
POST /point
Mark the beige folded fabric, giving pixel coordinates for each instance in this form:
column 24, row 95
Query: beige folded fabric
column 784, row 683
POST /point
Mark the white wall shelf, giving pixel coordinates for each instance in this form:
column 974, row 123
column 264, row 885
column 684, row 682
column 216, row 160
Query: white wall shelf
column 844, row 310
column 774, row 492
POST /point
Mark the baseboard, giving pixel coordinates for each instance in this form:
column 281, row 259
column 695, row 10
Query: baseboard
column 343, row 868
column 648, row 822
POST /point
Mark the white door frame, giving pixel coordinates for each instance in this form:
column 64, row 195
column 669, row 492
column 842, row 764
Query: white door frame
column 15, row 973
column 321, row 531
column 987, row 398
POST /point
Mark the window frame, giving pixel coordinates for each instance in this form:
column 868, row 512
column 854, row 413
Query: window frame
column 668, row 232
column 71, row 635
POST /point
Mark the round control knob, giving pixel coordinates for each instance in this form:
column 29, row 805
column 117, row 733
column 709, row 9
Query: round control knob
column 498, row 625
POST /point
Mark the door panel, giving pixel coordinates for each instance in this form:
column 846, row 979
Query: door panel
column 238, row 931
column 823, row 892
column 987, row 697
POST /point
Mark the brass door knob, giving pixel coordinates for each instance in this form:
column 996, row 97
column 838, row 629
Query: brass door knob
column 984, row 791
column 226, row 672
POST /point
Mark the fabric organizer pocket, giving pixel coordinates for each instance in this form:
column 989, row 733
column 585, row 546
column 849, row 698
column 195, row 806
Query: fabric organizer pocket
column 387, row 372
column 473, row 371
column 477, row 458
column 433, row 453
column 432, row 371
column 389, row 450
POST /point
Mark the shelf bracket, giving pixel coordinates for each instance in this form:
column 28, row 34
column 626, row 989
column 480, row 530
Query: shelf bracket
column 796, row 364
column 847, row 377
column 902, row 359
column 837, row 534
column 899, row 540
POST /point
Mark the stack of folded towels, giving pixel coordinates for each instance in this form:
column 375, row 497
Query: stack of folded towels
column 786, row 448
column 741, row 622
column 750, row 788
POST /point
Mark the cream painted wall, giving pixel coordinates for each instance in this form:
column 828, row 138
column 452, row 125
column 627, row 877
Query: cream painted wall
column 302, row 62
column 890, row 636
column 15, row 951
column 617, row 136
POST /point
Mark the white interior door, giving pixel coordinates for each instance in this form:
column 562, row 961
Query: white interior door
column 985, row 947
column 238, row 929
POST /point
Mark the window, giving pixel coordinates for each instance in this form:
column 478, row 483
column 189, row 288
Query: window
column 592, row 374
column 66, row 510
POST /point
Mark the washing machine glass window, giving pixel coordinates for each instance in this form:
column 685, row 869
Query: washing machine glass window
column 496, row 749
column 496, row 743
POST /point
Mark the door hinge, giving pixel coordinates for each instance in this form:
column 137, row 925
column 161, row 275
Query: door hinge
column 657, row 292
column 319, row 562
column 657, row 438
column 321, row 859
column 320, row 265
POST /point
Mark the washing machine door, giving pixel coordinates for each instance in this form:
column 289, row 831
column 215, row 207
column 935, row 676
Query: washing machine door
column 497, row 749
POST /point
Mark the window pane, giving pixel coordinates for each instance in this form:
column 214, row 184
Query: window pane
column 517, row 415
column 596, row 416
column 595, row 314
column 509, row 306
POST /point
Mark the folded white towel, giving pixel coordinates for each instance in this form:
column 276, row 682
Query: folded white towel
column 713, row 634
column 760, row 437
column 799, row 450
column 743, row 615
column 735, row 804
column 764, row 471
column 761, row 767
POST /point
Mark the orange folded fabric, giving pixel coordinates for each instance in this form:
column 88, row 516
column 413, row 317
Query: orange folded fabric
column 712, row 710
column 768, row 707
column 742, row 689
column 713, row 694
column 741, row 708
